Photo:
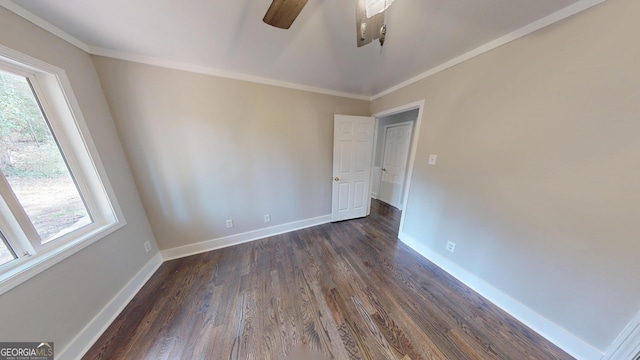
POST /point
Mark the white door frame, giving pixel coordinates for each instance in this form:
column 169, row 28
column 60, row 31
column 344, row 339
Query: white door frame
column 412, row 152
column 384, row 147
column 627, row 344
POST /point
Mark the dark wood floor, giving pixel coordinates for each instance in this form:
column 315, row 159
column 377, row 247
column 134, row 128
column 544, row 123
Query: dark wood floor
column 347, row 290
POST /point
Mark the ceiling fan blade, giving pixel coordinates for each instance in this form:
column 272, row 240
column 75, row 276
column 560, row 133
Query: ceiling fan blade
column 282, row 13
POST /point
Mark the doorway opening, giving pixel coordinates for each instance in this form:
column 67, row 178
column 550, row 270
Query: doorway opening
column 394, row 151
column 391, row 157
column 392, row 144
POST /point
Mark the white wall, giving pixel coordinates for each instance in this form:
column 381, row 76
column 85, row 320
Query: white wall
column 538, row 146
column 205, row 149
column 58, row 303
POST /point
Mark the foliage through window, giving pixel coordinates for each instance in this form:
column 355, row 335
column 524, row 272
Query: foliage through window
column 32, row 163
column 55, row 198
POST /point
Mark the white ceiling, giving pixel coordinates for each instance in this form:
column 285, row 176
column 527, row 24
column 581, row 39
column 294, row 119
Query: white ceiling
column 318, row 51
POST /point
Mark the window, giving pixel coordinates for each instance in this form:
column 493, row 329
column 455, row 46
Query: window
column 55, row 198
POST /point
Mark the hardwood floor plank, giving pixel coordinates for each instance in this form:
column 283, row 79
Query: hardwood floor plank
column 374, row 332
column 273, row 320
column 315, row 334
column 424, row 345
column 349, row 344
column 354, row 348
column 346, row 290
column 392, row 332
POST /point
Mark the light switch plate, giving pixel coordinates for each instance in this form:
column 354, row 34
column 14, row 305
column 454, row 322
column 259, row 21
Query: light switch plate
column 432, row 159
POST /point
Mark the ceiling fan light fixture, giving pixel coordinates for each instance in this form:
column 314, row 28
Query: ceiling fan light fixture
column 373, row 7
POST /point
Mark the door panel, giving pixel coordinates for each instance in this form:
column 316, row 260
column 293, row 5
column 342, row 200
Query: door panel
column 394, row 161
column 345, row 156
column 360, row 191
column 352, row 154
column 343, row 197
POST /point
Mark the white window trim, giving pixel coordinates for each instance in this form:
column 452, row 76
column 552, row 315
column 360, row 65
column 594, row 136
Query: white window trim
column 56, row 96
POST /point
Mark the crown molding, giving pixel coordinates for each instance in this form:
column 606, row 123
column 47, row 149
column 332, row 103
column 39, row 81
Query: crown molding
column 514, row 35
column 528, row 29
column 149, row 60
column 44, row 24
column 93, row 50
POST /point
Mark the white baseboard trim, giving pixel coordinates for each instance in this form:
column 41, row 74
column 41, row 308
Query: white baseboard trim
column 90, row 334
column 565, row 340
column 219, row 243
column 627, row 344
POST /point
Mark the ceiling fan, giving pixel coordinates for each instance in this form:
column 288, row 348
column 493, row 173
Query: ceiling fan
column 369, row 17
column 282, row 13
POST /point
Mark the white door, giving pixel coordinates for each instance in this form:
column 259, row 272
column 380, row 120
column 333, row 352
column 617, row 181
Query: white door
column 352, row 153
column 394, row 162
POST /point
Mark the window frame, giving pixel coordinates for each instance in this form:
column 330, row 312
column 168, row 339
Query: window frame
column 61, row 110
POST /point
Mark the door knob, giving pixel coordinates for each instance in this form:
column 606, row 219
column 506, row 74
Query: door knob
column 383, row 169
column 336, row 178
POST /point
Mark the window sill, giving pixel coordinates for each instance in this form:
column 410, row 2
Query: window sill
column 25, row 268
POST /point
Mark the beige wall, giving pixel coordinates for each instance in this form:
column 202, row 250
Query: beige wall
column 205, row 149
column 537, row 176
column 61, row 301
column 538, row 173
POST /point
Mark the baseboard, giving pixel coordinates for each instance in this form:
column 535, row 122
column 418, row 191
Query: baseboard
column 90, row 334
column 192, row 249
column 565, row 340
column 627, row 344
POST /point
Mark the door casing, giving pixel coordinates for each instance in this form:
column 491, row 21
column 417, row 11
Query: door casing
column 412, row 151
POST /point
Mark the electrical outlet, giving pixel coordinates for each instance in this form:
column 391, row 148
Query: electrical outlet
column 267, row 218
column 147, row 246
column 451, row 246
column 229, row 223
